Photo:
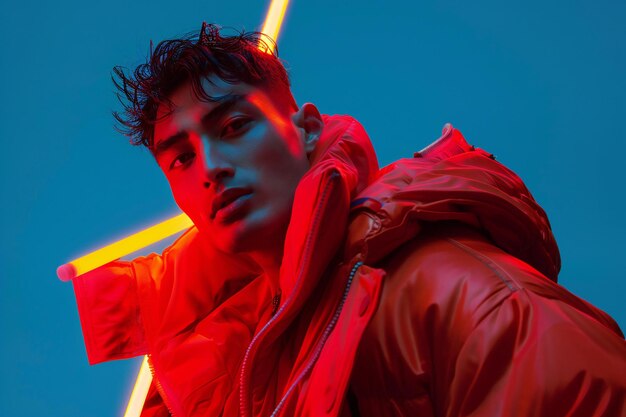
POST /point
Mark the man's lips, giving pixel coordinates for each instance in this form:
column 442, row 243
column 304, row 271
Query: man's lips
column 225, row 198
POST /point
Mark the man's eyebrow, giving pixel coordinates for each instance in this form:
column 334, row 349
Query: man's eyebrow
column 166, row 144
column 226, row 103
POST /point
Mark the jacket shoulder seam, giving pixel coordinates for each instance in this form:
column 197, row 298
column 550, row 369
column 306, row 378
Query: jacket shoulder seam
column 489, row 263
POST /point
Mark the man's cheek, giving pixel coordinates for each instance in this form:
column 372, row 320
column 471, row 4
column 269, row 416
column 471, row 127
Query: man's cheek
column 185, row 202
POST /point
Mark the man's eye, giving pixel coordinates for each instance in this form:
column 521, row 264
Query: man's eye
column 182, row 160
column 234, row 126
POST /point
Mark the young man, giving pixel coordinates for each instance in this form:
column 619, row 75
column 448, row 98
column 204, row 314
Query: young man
column 315, row 284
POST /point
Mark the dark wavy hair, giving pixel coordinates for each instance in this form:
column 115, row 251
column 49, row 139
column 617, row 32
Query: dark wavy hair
column 242, row 58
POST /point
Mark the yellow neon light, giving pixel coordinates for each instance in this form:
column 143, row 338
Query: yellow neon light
column 274, row 21
column 133, row 243
column 124, row 247
column 140, row 391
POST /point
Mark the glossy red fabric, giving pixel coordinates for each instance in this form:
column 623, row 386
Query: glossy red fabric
column 425, row 288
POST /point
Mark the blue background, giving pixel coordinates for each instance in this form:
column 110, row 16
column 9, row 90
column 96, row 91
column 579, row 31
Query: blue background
column 539, row 84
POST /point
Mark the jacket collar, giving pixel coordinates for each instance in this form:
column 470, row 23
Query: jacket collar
column 342, row 165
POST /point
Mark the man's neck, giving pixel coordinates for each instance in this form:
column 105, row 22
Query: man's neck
column 270, row 262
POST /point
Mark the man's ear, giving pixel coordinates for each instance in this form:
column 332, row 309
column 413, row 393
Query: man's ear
column 309, row 119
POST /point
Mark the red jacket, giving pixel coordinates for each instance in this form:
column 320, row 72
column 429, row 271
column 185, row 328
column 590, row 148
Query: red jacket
column 426, row 288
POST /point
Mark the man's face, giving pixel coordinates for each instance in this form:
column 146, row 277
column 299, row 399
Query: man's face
column 233, row 165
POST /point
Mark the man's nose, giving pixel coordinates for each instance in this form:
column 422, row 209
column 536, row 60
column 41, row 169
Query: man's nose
column 216, row 167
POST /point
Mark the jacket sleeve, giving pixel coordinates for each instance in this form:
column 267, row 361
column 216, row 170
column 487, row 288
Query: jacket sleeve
column 108, row 307
column 533, row 356
column 515, row 342
column 491, row 336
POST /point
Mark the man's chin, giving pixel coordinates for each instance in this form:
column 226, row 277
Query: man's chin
column 245, row 236
column 232, row 241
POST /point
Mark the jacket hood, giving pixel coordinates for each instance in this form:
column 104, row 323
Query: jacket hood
column 451, row 180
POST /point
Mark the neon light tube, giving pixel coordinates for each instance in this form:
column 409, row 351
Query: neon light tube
column 140, row 391
column 123, row 247
column 274, row 21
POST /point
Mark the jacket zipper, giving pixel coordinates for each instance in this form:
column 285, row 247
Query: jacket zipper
column 253, row 346
column 320, row 345
column 159, row 387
